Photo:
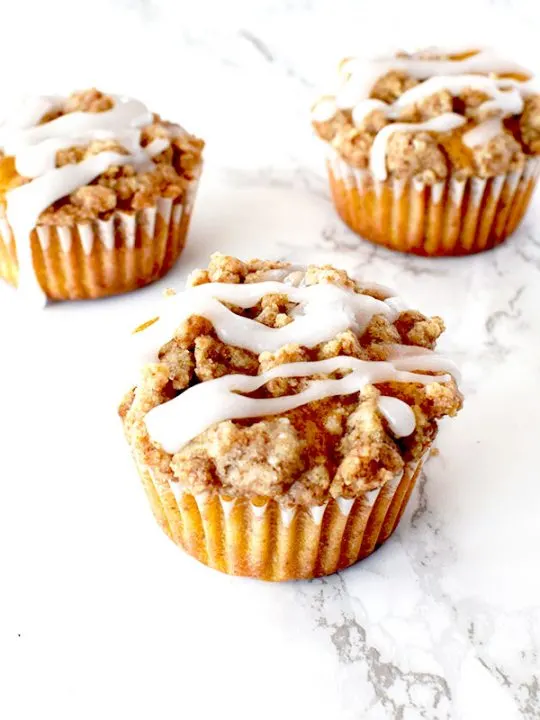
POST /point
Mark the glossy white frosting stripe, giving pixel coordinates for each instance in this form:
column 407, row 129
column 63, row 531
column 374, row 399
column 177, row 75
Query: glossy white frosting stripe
column 398, row 414
column 29, row 112
column 364, row 72
column 483, row 133
column 125, row 114
column 323, row 311
column 506, row 97
column 404, row 357
column 441, row 123
column 324, row 110
column 486, row 60
column 216, row 400
column 363, row 108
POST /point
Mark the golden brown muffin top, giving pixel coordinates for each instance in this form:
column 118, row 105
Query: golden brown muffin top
column 337, row 445
column 430, row 113
column 166, row 170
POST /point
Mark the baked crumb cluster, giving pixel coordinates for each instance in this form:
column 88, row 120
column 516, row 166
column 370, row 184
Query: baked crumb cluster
column 426, row 155
column 338, row 446
column 120, row 187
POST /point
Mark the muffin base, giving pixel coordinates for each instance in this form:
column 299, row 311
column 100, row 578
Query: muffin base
column 260, row 539
column 103, row 257
column 454, row 217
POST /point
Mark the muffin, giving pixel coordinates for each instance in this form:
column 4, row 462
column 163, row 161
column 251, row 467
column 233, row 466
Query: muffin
column 96, row 195
column 431, row 153
column 281, row 415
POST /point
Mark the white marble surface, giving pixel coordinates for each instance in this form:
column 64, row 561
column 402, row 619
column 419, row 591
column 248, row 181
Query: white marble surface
column 100, row 615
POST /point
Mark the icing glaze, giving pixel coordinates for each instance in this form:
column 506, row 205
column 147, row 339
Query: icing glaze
column 377, row 158
column 29, row 112
column 363, row 108
column 363, row 73
column 324, row 110
column 483, row 133
column 323, row 311
column 213, row 401
column 398, row 414
column 506, row 97
column 404, row 357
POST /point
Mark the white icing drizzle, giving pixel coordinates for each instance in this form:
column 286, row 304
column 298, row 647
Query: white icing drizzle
column 508, row 101
column 398, row 414
column 324, row 310
column 485, row 61
column 292, row 275
column 125, row 114
column 385, row 290
column 363, row 73
column 357, row 87
column 362, row 109
column 483, row 133
column 216, row 400
column 34, row 148
column 377, row 159
column 404, row 357
column 506, row 96
column 324, row 110
column 29, row 112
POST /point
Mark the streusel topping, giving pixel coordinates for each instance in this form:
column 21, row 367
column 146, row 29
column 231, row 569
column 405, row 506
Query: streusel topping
column 347, row 392
column 429, row 113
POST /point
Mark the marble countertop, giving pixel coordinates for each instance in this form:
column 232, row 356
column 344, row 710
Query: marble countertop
column 100, row 615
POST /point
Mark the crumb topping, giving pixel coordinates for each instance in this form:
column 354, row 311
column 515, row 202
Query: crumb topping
column 121, row 187
column 416, row 155
column 424, row 154
column 499, row 155
column 392, row 85
column 337, row 446
column 529, row 125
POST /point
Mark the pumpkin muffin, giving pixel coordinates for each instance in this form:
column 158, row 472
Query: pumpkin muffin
column 96, row 195
column 432, row 153
column 280, row 415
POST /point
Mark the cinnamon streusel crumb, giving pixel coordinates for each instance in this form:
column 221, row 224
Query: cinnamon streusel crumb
column 354, row 145
column 337, row 446
column 501, row 154
column 392, row 85
column 418, row 155
column 530, row 124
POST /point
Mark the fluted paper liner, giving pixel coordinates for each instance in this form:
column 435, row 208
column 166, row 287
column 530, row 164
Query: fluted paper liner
column 261, row 539
column 452, row 217
column 103, row 257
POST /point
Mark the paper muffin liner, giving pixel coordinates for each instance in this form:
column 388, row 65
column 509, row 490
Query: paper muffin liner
column 103, row 257
column 451, row 217
column 261, row 539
